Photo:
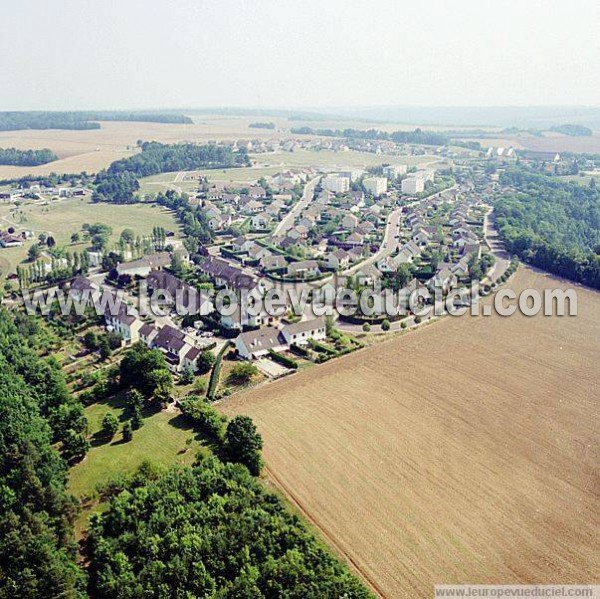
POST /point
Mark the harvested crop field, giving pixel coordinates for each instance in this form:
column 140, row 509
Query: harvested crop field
column 465, row 452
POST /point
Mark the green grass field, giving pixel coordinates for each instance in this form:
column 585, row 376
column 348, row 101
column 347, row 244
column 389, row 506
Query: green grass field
column 162, row 440
column 64, row 217
column 270, row 164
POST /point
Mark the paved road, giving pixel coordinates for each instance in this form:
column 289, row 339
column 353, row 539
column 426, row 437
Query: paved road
column 388, row 243
column 496, row 247
column 288, row 222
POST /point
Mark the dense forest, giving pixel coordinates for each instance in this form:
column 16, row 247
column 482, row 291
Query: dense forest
column 37, row 550
column 119, row 182
column 14, row 121
column 208, row 531
column 14, row 157
column 418, row 136
column 551, row 224
column 158, row 158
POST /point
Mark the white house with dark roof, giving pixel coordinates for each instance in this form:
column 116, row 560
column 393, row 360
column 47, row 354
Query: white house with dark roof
column 300, row 332
column 255, row 344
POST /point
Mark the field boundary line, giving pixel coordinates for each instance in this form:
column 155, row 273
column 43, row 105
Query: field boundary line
column 330, row 539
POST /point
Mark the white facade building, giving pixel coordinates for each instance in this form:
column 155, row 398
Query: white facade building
column 336, row 184
column 413, row 185
column 391, row 172
column 376, row 185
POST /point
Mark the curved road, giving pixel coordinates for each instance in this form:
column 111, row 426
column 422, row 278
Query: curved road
column 288, row 222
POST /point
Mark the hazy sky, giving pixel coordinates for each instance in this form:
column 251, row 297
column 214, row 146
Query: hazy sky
column 77, row 54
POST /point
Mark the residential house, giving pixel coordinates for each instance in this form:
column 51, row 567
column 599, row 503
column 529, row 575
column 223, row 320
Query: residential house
column 303, row 269
column 421, row 237
column 337, row 259
column 147, row 333
column 256, row 344
column 354, row 239
column 8, row 240
column 178, row 348
column 242, row 244
column 253, row 207
column 261, row 221
column 126, row 325
column 257, row 252
column 300, row 332
column 143, row 266
column 350, row 221
column 273, row 262
column 298, row 232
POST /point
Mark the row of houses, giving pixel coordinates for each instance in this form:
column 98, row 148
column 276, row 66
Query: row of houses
column 258, row 343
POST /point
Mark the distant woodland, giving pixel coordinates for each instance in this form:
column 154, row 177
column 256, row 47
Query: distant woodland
column 14, row 157
column 15, row 121
column 418, row 136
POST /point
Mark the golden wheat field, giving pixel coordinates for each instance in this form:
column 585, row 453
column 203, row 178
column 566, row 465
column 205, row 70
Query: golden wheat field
column 464, row 452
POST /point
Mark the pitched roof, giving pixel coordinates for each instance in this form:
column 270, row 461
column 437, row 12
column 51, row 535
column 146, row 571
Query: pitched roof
column 305, row 325
column 262, row 339
column 170, row 339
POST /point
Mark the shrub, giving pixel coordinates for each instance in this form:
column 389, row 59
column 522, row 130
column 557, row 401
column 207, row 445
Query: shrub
column 110, row 424
column 127, row 432
column 385, row 325
column 208, row 418
column 205, row 362
column 242, row 373
column 366, row 327
column 216, row 371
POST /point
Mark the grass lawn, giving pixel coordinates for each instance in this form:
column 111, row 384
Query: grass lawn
column 162, row 440
column 64, row 217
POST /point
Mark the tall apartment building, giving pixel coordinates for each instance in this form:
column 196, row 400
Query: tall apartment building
column 336, row 184
column 376, row 185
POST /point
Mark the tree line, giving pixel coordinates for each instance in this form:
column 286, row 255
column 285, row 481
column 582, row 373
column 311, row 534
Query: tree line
column 418, row 136
column 37, row 549
column 551, row 224
column 80, row 120
column 14, row 157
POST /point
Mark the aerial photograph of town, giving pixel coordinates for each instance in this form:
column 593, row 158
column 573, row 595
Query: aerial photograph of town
column 299, row 299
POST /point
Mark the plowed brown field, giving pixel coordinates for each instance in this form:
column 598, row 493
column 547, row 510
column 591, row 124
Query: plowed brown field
column 465, row 452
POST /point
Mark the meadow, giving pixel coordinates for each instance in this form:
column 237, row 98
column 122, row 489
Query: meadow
column 63, row 217
column 465, row 452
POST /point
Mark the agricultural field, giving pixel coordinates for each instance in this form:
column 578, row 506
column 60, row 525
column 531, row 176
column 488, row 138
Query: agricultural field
column 95, row 149
column 63, row 217
column 465, row 452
